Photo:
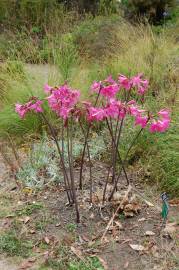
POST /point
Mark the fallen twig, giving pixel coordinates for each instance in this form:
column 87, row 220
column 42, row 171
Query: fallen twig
column 114, row 215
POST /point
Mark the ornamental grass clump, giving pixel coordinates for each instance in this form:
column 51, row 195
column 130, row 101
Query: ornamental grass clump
column 111, row 102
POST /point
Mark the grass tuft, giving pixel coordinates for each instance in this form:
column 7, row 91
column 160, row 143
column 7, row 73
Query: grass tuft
column 12, row 245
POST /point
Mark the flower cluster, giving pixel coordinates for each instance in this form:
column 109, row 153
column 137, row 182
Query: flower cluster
column 162, row 123
column 109, row 87
column 63, row 100
column 116, row 109
column 109, row 90
column 33, row 104
column 135, row 82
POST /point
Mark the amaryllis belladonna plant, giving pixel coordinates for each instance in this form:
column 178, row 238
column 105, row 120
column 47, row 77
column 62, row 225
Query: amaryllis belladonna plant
column 112, row 102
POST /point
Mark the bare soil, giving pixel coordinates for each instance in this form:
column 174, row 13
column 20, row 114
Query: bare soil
column 54, row 225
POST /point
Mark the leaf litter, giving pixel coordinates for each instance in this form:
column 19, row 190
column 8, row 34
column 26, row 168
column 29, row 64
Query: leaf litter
column 129, row 221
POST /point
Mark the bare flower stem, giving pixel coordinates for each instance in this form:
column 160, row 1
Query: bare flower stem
column 85, row 145
column 60, row 154
column 70, row 157
column 66, row 181
column 123, row 163
column 69, row 151
column 89, row 158
column 117, row 151
column 106, row 183
column 116, row 140
column 83, row 156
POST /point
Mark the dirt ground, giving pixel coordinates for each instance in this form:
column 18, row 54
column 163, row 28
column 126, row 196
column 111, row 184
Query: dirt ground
column 42, row 217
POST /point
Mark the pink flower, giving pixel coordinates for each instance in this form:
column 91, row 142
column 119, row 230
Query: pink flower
column 164, row 114
column 110, row 90
column 95, row 114
column 141, row 84
column 143, row 87
column 95, row 87
column 63, row 100
column 163, row 123
column 36, row 106
column 141, row 121
column 159, row 125
column 115, row 109
column 33, row 105
column 141, row 90
column 47, row 88
column 53, row 103
column 109, row 79
column 124, row 82
column 21, row 110
column 135, row 111
column 122, row 113
column 131, row 102
column 64, row 112
column 136, row 80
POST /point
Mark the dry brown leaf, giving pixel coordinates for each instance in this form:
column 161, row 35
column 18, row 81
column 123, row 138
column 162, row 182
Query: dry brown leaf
column 174, row 202
column 126, row 265
column 26, row 219
column 118, row 196
column 128, row 214
column 85, row 238
column 103, row 262
column 128, row 207
column 137, row 247
column 33, row 259
column 141, row 219
column 136, row 207
column 154, row 251
column 157, row 267
column 132, row 207
column 125, row 241
column 67, row 240
column 77, row 252
column 149, row 233
column 91, row 216
column 6, row 223
column 149, row 203
column 10, row 216
column 32, row 231
column 26, row 265
column 91, row 243
column 97, row 197
column 119, row 225
column 47, row 240
column 170, row 228
column 121, row 205
column 114, row 231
